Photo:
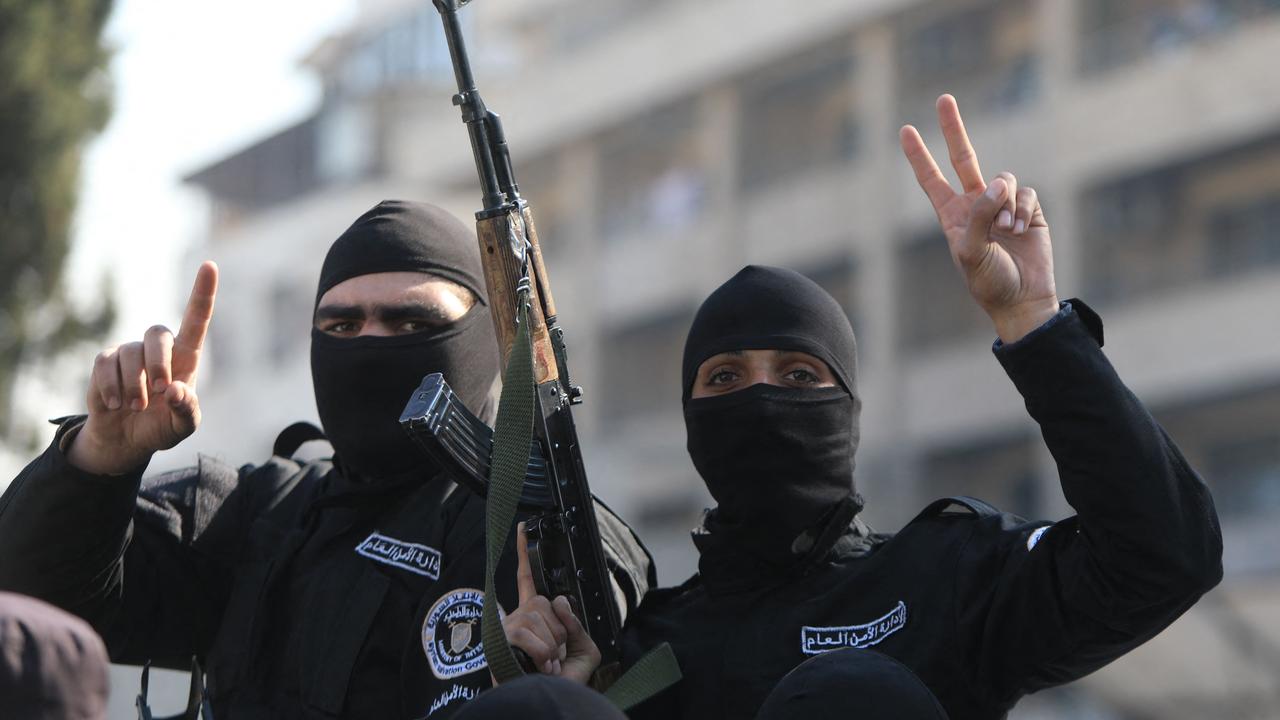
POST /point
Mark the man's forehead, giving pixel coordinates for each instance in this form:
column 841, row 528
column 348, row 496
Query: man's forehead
column 759, row 354
column 391, row 287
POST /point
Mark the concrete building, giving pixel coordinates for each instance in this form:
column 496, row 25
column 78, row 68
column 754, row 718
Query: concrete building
column 663, row 145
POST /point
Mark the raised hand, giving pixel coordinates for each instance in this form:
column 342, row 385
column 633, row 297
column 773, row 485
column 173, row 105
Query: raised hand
column 142, row 395
column 996, row 231
column 547, row 630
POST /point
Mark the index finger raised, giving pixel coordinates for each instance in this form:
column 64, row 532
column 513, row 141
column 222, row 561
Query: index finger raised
column 195, row 319
column 931, row 179
column 524, row 571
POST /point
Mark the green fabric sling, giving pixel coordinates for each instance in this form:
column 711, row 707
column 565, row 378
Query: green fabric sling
column 512, row 436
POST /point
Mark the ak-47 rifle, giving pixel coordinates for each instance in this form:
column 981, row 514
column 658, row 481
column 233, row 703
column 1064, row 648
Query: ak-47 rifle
column 565, row 550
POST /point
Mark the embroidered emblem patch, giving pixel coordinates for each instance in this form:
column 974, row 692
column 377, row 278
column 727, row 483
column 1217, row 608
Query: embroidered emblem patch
column 409, row 556
column 1035, row 536
column 451, row 634
column 817, row 640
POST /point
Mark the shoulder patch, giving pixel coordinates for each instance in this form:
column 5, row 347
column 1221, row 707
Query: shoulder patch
column 1035, row 536
column 451, row 634
column 817, row 640
column 409, row 556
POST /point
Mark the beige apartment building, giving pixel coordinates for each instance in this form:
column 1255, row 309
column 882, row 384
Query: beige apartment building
column 664, row 145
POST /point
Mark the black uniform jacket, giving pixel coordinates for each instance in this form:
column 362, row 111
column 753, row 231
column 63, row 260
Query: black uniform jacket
column 984, row 606
column 306, row 595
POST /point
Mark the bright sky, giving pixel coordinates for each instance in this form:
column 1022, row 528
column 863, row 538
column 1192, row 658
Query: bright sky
column 194, row 81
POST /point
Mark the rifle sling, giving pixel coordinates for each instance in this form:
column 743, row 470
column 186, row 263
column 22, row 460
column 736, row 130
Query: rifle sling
column 512, row 436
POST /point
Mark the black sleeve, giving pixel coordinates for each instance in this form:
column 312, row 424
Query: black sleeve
column 147, row 563
column 1041, row 605
column 630, row 565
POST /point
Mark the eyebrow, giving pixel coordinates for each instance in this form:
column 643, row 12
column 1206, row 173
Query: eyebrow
column 387, row 313
column 776, row 352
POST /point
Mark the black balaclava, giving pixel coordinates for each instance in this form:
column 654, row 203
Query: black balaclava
column 362, row 384
column 851, row 683
column 778, row 461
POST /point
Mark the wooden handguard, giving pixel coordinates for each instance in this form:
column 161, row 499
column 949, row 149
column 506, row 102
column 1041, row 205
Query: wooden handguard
column 539, row 269
column 501, row 274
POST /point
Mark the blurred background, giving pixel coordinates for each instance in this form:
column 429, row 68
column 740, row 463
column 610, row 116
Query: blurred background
column 663, row 145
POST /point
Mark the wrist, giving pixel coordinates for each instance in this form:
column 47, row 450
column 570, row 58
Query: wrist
column 1013, row 324
column 88, row 453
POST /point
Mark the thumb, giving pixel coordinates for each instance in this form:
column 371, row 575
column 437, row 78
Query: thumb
column 582, row 657
column 578, row 642
column 184, row 407
column 982, row 216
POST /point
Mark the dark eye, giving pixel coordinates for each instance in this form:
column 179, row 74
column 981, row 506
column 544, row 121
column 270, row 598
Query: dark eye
column 802, row 376
column 413, row 326
column 341, row 327
column 723, row 376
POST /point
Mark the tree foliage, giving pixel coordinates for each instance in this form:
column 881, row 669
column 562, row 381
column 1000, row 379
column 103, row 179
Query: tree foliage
column 54, row 96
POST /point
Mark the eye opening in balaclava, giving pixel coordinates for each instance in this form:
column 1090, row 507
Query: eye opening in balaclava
column 363, row 383
column 777, row 460
column 770, row 308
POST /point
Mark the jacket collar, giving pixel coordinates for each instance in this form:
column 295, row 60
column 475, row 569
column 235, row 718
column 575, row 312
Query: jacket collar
column 726, row 567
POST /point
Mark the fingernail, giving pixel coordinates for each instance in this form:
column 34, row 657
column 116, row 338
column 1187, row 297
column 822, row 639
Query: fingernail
column 113, row 403
column 555, row 665
column 135, row 404
column 546, row 667
column 996, row 189
column 1005, row 219
column 1019, row 227
column 157, row 385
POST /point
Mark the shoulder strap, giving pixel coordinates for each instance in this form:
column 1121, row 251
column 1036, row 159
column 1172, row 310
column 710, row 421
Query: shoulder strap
column 972, row 505
column 293, row 437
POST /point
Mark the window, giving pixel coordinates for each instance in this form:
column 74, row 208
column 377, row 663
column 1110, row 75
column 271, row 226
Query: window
column 652, row 174
column 1202, row 219
column 1245, row 473
column 1247, row 236
column 1138, row 248
column 409, row 47
column 933, row 305
column 1234, row 441
column 290, row 308
column 1001, row 472
column 641, row 365
column 984, row 53
column 798, row 116
column 838, row 276
column 1119, row 32
column 541, row 185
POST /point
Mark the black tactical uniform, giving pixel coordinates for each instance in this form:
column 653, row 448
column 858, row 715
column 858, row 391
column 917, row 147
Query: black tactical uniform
column 308, row 590
column 983, row 606
column 309, row 595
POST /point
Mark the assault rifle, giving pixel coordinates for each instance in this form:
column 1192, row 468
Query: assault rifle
column 565, row 550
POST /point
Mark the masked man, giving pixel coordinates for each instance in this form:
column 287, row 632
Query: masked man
column 343, row 589
column 981, row 606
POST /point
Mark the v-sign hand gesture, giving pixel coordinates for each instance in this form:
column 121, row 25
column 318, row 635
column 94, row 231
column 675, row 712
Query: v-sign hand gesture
column 142, row 395
column 996, row 231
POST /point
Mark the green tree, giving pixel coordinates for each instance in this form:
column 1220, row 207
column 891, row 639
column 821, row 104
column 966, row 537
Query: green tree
column 54, row 96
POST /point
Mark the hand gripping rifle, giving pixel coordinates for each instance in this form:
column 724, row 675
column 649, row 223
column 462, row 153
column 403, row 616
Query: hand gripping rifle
column 532, row 458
